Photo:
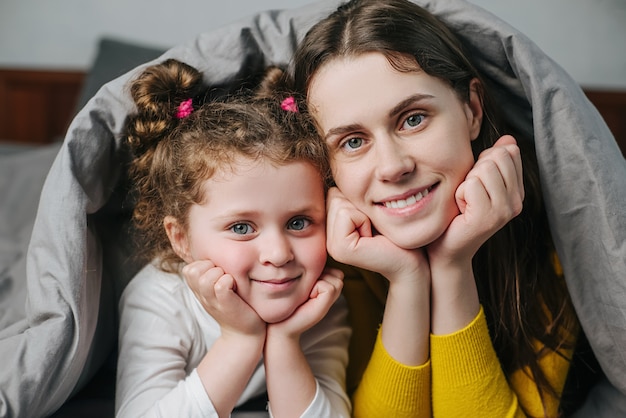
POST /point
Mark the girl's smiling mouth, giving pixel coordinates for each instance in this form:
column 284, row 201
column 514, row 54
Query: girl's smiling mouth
column 277, row 283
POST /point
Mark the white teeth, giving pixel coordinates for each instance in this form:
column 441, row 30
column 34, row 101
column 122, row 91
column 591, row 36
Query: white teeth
column 398, row 204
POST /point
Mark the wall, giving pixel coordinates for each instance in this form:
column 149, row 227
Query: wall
column 586, row 37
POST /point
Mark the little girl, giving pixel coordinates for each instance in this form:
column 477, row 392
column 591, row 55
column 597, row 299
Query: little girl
column 233, row 192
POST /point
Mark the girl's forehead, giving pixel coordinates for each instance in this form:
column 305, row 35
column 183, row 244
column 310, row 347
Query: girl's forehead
column 244, row 166
column 264, row 187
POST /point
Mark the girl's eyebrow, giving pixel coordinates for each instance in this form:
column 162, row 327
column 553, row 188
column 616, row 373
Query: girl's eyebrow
column 408, row 101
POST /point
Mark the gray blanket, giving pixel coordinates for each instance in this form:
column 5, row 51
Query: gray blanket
column 77, row 261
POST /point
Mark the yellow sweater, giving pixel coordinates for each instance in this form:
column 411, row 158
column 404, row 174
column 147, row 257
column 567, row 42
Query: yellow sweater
column 463, row 377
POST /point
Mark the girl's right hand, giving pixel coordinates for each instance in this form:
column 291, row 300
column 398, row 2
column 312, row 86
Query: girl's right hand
column 217, row 293
column 229, row 363
column 351, row 240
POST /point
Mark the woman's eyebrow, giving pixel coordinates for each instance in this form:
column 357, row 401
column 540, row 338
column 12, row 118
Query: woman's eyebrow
column 408, row 101
column 415, row 98
column 341, row 130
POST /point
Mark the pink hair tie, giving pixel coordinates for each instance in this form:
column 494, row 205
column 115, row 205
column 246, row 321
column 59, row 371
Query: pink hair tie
column 289, row 104
column 184, row 109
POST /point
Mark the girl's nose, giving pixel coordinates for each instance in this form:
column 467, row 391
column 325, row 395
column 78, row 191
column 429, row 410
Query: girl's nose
column 276, row 249
column 393, row 162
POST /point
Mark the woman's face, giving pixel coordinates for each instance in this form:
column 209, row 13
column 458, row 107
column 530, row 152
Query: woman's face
column 399, row 141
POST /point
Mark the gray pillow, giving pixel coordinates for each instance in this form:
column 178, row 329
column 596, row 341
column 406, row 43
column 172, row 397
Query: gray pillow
column 114, row 57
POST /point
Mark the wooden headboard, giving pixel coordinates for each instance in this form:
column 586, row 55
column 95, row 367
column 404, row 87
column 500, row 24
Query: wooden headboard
column 37, row 106
column 612, row 107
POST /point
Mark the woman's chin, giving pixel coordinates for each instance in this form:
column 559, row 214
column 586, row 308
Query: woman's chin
column 411, row 241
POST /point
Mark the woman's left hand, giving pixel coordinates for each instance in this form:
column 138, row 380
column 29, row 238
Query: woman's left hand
column 491, row 195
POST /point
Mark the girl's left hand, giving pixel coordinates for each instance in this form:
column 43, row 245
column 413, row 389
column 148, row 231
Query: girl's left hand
column 491, row 195
column 324, row 293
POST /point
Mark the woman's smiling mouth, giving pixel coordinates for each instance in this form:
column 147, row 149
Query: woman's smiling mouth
column 408, row 201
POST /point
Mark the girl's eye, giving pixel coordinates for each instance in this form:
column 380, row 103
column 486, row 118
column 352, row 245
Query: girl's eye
column 298, row 224
column 241, row 229
column 353, row 143
column 413, row 121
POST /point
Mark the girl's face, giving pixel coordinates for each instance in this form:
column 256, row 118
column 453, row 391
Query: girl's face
column 399, row 141
column 264, row 225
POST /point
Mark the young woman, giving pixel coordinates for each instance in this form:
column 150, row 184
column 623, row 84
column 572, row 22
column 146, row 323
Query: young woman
column 431, row 194
column 234, row 192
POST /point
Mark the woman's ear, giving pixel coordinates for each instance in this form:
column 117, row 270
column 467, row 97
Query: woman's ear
column 474, row 109
column 178, row 238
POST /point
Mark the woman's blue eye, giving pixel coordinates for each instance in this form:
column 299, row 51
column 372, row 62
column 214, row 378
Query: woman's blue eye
column 412, row 121
column 241, row 229
column 298, row 224
column 354, row 143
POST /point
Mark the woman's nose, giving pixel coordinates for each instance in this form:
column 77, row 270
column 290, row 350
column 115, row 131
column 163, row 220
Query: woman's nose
column 393, row 161
column 276, row 249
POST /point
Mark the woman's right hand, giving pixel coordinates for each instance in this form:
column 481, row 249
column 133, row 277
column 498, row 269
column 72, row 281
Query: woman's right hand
column 406, row 321
column 217, row 293
column 352, row 240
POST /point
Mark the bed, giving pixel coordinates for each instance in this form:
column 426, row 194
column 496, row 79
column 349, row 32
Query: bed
column 63, row 243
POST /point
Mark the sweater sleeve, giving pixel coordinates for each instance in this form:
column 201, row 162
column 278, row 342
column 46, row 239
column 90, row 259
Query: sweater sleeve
column 467, row 379
column 154, row 344
column 389, row 388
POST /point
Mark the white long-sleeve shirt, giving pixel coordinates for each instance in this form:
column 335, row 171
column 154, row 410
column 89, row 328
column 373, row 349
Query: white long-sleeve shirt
column 165, row 332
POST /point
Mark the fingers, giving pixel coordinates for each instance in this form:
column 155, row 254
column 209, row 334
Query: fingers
column 201, row 276
column 473, row 192
column 225, row 287
column 345, row 226
column 331, row 282
column 210, row 284
column 491, row 185
column 507, row 156
column 349, row 240
column 491, row 195
column 499, row 171
column 343, row 219
column 324, row 293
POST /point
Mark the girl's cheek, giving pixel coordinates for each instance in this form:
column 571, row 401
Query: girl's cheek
column 233, row 259
column 319, row 254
